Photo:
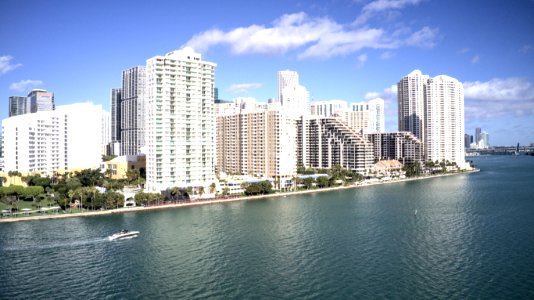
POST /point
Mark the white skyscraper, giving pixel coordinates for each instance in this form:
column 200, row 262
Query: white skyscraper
column 444, row 133
column 132, row 111
column 180, row 121
column 433, row 110
column 367, row 117
column 68, row 138
column 411, row 96
column 106, row 129
column 291, row 95
column 286, row 78
column 327, row 108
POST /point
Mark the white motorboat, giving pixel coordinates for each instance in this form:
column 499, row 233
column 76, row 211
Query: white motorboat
column 123, row 234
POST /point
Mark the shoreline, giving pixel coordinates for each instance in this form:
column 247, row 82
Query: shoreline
column 219, row 201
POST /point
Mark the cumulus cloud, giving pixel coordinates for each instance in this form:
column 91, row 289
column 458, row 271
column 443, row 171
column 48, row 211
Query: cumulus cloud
column 499, row 97
column 362, row 58
column 499, row 89
column 463, row 50
column 386, row 55
column 526, row 49
column 24, row 85
column 375, row 7
column 243, row 87
column 424, row 38
column 311, row 37
column 475, row 59
column 6, row 65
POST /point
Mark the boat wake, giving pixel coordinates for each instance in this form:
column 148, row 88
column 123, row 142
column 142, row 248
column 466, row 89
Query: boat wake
column 66, row 244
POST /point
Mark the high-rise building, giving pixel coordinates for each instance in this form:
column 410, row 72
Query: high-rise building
column 46, row 141
column 478, row 135
column 41, row 100
column 366, row 117
column 106, row 130
column 433, row 110
column 132, row 111
column 292, row 96
column 484, row 140
column 116, row 114
column 468, row 139
column 256, row 139
column 444, row 120
column 402, row 146
column 286, row 78
column 18, row 106
column 180, row 121
column 411, row 100
column 327, row 108
column 325, row 142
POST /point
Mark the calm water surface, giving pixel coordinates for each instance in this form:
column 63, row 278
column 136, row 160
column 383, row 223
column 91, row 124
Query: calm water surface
column 472, row 237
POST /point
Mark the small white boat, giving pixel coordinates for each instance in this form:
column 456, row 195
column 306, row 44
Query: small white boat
column 123, row 234
column 415, row 212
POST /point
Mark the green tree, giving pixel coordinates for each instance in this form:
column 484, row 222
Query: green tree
column 90, row 177
column 201, row 191
column 322, row 181
column 132, row 176
column 308, row 182
column 72, row 183
column 113, row 199
column 412, row 169
column 213, row 187
column 108, row 157
column 32, row 192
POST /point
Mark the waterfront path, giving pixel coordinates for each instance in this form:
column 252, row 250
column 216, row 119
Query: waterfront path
column 219, row 200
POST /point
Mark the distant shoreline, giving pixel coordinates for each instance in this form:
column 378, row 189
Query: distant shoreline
column 218, row 201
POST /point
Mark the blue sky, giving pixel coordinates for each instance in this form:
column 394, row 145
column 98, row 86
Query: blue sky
column 350, row 50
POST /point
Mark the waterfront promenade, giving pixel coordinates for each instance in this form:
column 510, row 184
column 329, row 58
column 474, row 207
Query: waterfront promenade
column 364, row 183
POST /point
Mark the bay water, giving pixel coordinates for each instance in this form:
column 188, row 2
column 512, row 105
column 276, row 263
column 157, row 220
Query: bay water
column 453, row 237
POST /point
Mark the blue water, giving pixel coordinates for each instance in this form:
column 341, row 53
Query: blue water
column 472, row 237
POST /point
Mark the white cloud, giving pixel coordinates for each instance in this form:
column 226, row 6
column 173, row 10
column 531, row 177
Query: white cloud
column 6, row 65
column 424, row 38
column 387, row 55
column 526, row 49
column 243, row 87
column 310, row 37
column 375, row 7
column 498, row 89
column 24, row 85
column 475, row 59
column 463, row 50
column 499, row 97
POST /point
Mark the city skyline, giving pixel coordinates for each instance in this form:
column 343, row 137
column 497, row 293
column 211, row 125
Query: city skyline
column 347, row 50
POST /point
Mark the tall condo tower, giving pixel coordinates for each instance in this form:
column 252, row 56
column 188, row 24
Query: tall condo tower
column 445, row 120
column 18, row 106
column 132, row 111
column 291, row 95
column 116, row 114
column 41, row 100
column 286, row 78
column 180, row 121
column 433, row 110
column 411, row 96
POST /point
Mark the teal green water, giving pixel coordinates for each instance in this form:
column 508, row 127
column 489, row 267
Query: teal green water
column 472, row 237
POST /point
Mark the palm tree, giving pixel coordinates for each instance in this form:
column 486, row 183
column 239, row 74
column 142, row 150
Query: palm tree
column 201, row 191
column 213, row 186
